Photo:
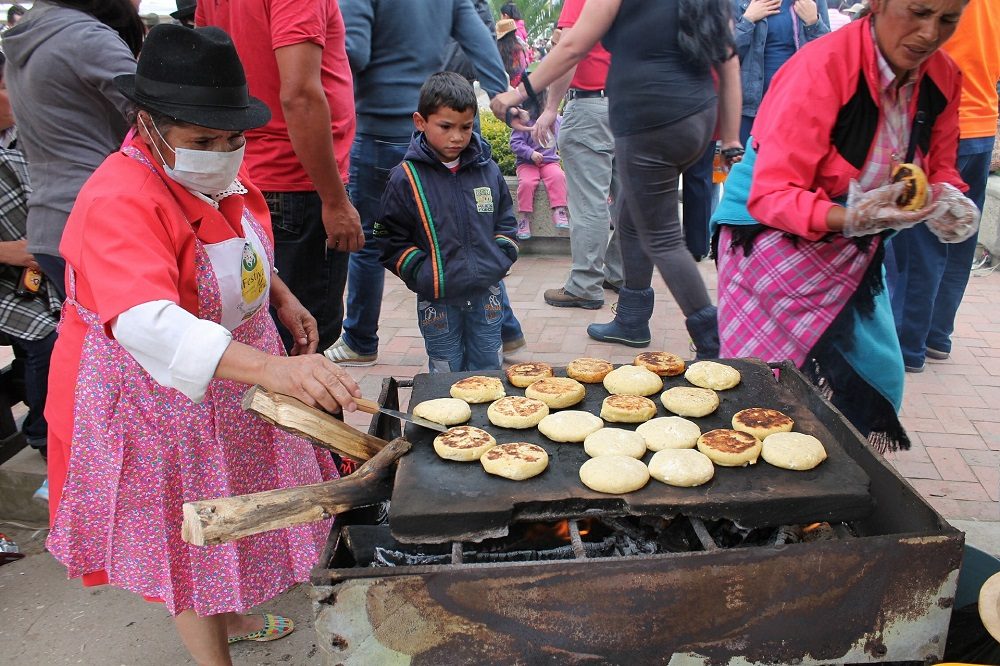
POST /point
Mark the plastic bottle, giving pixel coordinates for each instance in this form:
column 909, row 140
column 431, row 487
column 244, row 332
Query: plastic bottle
column 719, row 169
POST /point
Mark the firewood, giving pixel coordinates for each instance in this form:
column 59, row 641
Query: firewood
column 215, row 521
column 322, row 429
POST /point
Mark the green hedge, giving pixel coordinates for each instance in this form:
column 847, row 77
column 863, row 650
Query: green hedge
column 498, row 136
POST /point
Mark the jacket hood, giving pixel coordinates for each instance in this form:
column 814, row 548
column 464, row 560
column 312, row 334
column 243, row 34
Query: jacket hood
column 477, row 153
column 43, row 21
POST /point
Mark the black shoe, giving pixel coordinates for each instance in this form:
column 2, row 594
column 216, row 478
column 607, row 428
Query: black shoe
column 610, row 286
column 561, row 298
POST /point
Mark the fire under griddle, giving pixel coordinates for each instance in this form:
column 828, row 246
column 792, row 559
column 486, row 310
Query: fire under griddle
column 436, row 500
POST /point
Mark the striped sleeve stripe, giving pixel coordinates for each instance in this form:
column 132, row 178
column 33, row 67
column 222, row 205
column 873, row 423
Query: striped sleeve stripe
column 507, row 240
column 437, row 262
column 405, row 259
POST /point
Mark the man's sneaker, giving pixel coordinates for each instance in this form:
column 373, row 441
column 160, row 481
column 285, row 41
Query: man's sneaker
column 561, row 298
column 937, row 354
column 523, row 228
column 560, row 217
column 341, row 354
column 42, row 494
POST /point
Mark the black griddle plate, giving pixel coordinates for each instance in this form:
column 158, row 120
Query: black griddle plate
column 436, row 500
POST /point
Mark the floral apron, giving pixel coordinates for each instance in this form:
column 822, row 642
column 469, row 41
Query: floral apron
column 140, row 450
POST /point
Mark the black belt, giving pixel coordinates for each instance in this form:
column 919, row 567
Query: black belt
column 577, row 93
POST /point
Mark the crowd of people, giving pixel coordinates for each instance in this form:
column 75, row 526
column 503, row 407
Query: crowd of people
column 215, row 206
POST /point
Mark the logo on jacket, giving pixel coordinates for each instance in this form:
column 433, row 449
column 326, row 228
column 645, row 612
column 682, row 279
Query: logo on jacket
column 484, row 199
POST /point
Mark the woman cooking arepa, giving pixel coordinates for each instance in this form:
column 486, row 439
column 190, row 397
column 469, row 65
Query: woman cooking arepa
column 169, row 253
column 805, row 216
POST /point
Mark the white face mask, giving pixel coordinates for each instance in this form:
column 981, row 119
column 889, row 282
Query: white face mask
column 207, row 171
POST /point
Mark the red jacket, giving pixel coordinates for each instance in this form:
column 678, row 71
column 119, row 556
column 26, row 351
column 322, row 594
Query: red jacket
column 816, row 127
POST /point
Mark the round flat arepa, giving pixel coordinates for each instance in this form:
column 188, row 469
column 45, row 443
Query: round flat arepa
column 589, row 370
column 689, row 401
column 523, row 374
column 793, row 450
column 614, row 442
column 615, row 475
column 761, row 422
column 517, row 461
column 515, row 411
column 446, row 411
column 712, row 375
column 684, row 468
column 477, row 389
column 632, row 380
column 662, row 363
column 627, row 409
column 669, row 432
column 463, row 443
column 569, row 426
column 730, row 448
column 556, row 392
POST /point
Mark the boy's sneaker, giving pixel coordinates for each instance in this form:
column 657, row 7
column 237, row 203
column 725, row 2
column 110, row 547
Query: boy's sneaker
column 42, row 494
column 560, row 217
column 937, row 354
column 523, row 228
column 341, row 354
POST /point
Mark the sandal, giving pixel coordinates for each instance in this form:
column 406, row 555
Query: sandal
column 275, row 627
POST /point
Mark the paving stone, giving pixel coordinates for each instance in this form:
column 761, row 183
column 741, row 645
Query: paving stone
column 951, row 465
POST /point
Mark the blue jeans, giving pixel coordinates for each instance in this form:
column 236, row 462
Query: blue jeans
column 463, row 337
column 372, row 157
column 931, row 276
column 701, row 196
column 314, row 274
column 35, row 355
column 54, row 268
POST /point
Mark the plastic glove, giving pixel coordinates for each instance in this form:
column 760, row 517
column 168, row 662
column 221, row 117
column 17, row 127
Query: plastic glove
column 953, row 217
column 876, row 210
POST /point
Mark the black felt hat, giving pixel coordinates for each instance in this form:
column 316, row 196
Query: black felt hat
column 194, row 76
column 185, row 9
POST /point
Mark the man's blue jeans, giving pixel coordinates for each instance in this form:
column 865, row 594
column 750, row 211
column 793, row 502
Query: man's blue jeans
column 314, row 274
column 35, row 355
column 931, row 276
column 372, row 157
column 464, row 336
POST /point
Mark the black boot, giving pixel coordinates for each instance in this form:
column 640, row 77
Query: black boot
column 631, row 324
column 703, row 327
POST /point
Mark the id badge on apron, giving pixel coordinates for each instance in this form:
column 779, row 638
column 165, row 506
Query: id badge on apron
column 241, row 267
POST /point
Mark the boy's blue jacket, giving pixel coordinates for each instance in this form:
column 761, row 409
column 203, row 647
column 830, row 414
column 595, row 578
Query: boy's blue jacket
column 447, row 235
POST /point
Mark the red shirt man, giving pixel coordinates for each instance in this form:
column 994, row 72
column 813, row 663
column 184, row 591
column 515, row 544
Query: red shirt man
column 295, row 61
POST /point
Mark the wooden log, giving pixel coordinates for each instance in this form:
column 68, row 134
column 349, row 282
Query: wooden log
column 211, row 522
column 294, row 416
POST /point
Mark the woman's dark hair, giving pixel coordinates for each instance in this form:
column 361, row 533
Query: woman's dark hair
column 120, row 15
column 512, row 53
column 705, row 31
column 511, row 10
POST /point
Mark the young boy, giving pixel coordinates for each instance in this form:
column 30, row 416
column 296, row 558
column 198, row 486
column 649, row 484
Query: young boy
column 446, row 228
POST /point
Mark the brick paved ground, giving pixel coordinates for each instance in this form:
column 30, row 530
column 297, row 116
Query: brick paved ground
column 952, row 410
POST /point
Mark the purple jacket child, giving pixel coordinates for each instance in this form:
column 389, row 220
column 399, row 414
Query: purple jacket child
column 522, row 145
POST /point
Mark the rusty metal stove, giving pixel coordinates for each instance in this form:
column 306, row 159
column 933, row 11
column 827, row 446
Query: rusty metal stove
column 879, row 590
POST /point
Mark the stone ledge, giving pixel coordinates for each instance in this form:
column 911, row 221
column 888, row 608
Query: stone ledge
column 545, row 238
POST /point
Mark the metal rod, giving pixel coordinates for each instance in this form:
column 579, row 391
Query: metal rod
column 456, row 552
column 574, row 535
column 707, row 542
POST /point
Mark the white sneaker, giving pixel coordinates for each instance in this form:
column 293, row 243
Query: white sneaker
column 342, row 354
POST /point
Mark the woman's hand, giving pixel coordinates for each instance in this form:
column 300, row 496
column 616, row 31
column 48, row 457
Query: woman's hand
column 506, row 102
column 759, row 9
column 734, row 150
column 807, row 11
column 876, row 210
column 294, row 316
column 313, row 379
